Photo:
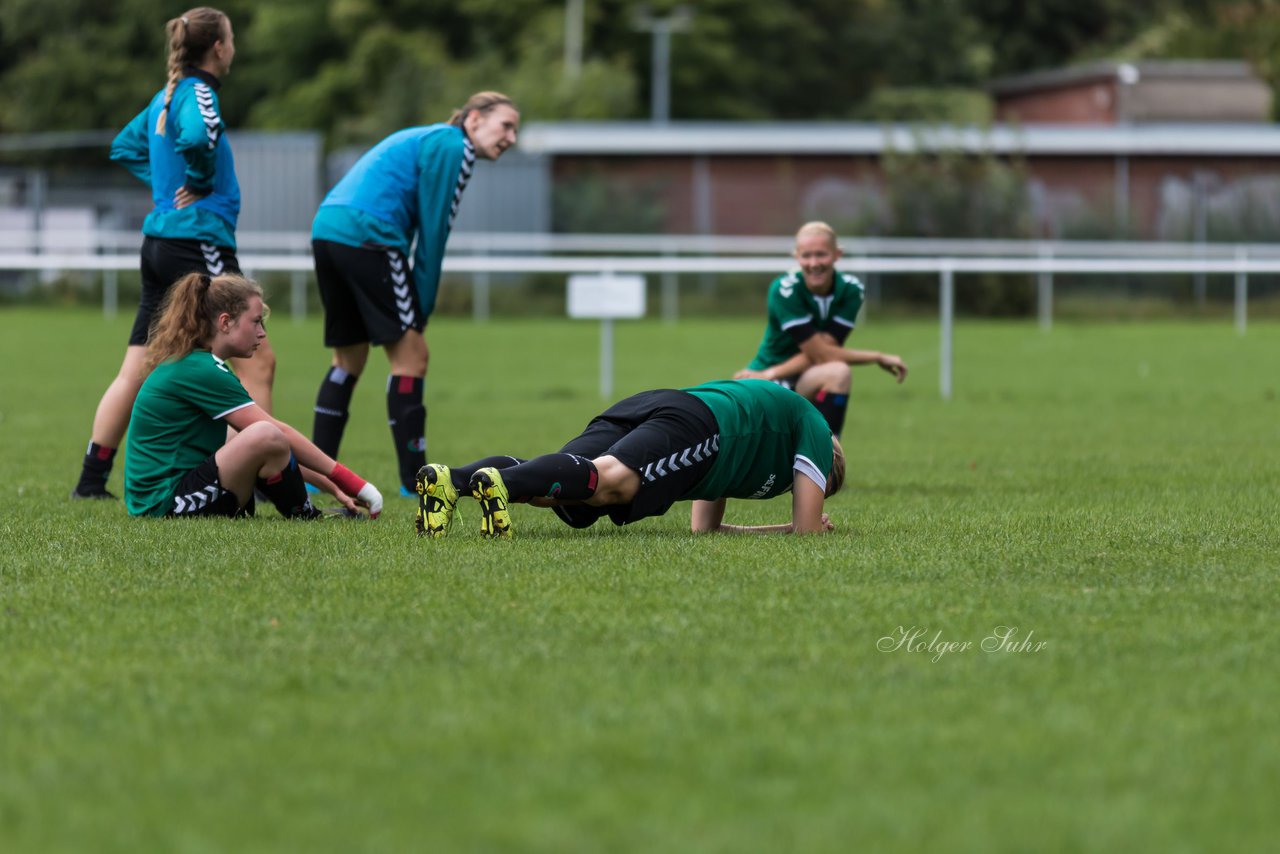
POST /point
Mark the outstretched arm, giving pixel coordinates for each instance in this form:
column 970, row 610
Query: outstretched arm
column 337, row 480
column 822, row 348
column 819, row 349
column 806, row 514
column 797, row 364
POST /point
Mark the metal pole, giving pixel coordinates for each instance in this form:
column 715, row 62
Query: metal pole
column 38, row 201
column 1121, row 191
column 660, row 97
column 670, row 298
column 1200, row 233
column 480, row 297
column 1242, row 292
column 703, row 221
column 573, row 39
column 947, row 303
column 110, row 293
column 606, row 358
column 298, row 295
column 1044, row 294
column 660, row 74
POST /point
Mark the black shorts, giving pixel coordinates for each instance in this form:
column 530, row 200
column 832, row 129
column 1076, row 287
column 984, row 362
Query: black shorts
column 165, row 261
column 368, row 294
column 668, row 436
column 200, row 493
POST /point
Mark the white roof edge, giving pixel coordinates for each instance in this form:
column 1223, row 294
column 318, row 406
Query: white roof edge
column 860, row 138
column 1109, row 70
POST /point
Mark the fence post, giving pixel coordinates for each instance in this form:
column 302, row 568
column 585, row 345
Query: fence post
column 606, row 358
column 110, row 292
column 298, row 295
column 480, row 297
column 947, row 305
column 670, row 293
column 1242, row 290
column 1044, row 293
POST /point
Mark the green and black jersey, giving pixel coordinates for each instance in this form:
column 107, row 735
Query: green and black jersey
column 795, row 315
column 177, row 423
column 766, row 434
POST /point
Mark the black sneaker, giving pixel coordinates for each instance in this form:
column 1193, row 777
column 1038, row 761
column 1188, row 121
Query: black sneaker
column 92, row 494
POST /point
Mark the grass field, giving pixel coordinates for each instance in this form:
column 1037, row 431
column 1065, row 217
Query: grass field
column 1109, row 490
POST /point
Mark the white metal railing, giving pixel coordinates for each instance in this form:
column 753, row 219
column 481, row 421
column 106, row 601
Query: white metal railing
column 1240, row 267
column 109, row 241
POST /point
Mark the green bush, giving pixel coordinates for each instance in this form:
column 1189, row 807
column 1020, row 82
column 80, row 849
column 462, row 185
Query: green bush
column 952, row 193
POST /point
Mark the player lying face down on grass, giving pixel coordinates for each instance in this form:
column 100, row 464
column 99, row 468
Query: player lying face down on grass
column 179, row 460
column 706, row 444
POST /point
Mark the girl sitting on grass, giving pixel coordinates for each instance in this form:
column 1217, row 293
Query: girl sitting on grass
column 178, row 460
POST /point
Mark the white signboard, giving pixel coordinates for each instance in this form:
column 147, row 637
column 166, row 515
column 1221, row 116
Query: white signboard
column 606, row 297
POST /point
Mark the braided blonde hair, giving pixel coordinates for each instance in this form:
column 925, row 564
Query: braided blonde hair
column 191, row 35
column 480, row 102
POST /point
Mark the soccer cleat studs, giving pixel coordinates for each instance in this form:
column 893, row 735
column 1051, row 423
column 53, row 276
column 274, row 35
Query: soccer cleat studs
column 437, row 501
column 488, row 489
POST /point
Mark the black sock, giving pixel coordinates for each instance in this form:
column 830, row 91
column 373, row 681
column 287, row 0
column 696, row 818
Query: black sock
column 287, row 491
column 333, row 404
column 96, row 469
column 566, row 476
column 461, row 476
column 408, row 419
column 833, row 407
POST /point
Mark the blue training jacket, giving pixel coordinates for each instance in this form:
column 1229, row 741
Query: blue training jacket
column 408, row 184
column 193, row 152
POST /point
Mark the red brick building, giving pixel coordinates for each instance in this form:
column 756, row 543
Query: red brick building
column 1155, row 150
column 737, row 178
column 1116, row 93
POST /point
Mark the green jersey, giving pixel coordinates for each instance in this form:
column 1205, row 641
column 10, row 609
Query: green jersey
column 176, row 425
column 767, row 433
column 795, row 314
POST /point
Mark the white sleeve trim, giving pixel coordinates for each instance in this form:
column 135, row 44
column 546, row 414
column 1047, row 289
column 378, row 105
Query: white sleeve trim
column 842, row 321
column 222, row 415
column 805, row 466
column 808, row 318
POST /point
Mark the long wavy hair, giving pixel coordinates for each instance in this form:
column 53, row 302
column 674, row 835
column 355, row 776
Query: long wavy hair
column 188, row 314
column 191, row 35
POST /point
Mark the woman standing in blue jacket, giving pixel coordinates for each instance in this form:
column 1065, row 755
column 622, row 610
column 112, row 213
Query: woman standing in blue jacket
column 177, row 146
column 407, row 186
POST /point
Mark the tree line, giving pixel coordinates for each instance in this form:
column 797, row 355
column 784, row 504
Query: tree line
column 356, row 69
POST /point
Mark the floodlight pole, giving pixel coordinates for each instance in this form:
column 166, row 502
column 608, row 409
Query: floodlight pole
column 660, row 74
column 573, row 39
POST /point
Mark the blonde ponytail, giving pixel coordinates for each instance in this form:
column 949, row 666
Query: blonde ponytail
column 191, row 36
